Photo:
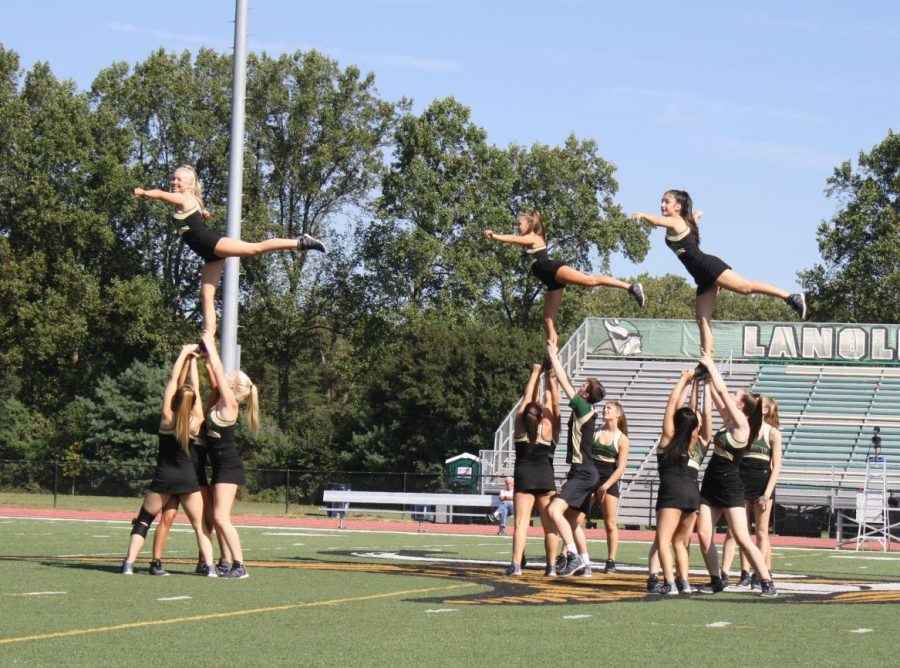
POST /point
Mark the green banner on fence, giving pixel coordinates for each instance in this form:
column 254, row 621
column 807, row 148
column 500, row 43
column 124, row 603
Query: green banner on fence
column 752, row 341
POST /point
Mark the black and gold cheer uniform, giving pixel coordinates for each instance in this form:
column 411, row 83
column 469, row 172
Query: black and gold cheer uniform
column 533, row 470
column 756, row 467
column 174, row 472
column 703, row 268
column 605, row 458
column 196, row 235
column 678, row 481
column 227, row 466
column 581, row 481
column 722, row 487
column 544, row 269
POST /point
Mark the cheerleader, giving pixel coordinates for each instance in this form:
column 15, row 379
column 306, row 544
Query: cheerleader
column 573, row 502
column 722, row 491
column 759, row 475
column 709, row 272
column 554, row 274
column 681, row 447
column 234, row 390
column 210, row 246
column 174, row 475
column 609, row 453
column 535, row 435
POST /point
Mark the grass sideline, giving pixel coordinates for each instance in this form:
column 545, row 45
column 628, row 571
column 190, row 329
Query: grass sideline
column 323, row 597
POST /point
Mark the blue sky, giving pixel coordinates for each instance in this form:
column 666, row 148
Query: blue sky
column 747, row 105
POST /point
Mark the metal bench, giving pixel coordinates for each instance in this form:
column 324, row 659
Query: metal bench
column 378, row 499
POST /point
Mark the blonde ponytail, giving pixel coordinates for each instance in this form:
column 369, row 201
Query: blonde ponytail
column 184, row 401
column 245, row 393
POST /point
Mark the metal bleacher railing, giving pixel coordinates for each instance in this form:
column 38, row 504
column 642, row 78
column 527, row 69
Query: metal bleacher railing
column 828, row 413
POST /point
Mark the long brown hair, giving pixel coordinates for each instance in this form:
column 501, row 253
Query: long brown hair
column 536, row 223
column 753, row 409
column 622, row 422
column 687, row 210
column 182, row 403
column 772, row 418
column 531, row 420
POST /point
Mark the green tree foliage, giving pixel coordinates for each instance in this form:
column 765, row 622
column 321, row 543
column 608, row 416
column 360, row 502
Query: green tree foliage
column 122, row 416
column 316, row 140
column 446, row 185
column 439, row 388
column 859, row 277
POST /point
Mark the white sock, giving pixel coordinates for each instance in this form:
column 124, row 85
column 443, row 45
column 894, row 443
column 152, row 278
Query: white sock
column 571, row 549
column 585, row 558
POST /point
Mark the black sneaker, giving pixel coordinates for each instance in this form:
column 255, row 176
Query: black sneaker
column 501, row 531
column 574, row 565
column 768, row 589
column 513, row 571
column 724, row 577
column 754, row 581
column 797, row 301
column 714, row 587
column 223, row 567
column 684, row 587
column 156, row 568
column 126, row 568
column 666, row 589
column 610, row 566
column 206, row 570
column 636, row 290
column 550, row 571
column 744, row 582
column 492, row 518
column 306, row 242
column 701, row 372
column 561, row 562
column 652, row 583
column 237, row 572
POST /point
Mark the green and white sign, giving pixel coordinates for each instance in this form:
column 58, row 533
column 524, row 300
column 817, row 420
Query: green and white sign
column 782, row 341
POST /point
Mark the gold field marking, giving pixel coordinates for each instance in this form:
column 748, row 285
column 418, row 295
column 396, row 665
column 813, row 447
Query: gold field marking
column 222, row 615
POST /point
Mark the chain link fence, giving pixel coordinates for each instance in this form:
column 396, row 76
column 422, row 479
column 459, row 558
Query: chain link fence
column 800, row 510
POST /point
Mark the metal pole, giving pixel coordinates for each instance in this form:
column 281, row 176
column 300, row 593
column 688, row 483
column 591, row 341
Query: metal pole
column 230, row 352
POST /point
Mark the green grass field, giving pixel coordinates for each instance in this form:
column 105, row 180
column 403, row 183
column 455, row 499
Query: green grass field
column 351, row 598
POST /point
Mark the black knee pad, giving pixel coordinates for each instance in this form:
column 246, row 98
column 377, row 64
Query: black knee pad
column 140, row 525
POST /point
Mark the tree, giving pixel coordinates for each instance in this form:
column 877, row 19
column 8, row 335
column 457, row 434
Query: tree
column 316, row 140
column 859, row 277
column 446, row 185
column 438, row 388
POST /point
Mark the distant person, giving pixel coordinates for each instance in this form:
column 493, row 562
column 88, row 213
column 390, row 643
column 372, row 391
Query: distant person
column 709, row 272
column 174, row 475
column 535, row 433
column 210, row 246
column 504, row 505
column 555, row 274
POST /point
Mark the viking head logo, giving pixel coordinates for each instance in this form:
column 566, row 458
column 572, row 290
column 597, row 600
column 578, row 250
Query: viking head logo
column 621, row 340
